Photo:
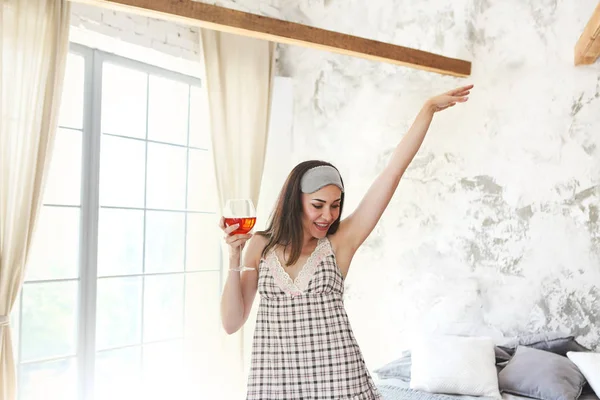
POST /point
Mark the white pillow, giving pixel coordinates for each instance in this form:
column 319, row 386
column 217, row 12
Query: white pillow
column 455, row 365
column 589, row 365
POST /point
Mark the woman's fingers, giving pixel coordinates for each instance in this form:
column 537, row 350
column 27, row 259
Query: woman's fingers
column 237, row 240
column 457, row 91
column 449, row 101
column 225, row 228
column 231, row 228
column 460, row 94
column 230, row 239
column 457, row 99
column 446, row 106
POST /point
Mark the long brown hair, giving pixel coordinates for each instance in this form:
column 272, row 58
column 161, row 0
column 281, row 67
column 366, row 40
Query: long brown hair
column 285, row 222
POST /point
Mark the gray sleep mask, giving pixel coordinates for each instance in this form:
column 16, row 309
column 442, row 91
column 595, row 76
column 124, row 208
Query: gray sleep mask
column 319, row 177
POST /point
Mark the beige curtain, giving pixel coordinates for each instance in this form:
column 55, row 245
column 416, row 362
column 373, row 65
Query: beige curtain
column 33, row 53
column 239, row 75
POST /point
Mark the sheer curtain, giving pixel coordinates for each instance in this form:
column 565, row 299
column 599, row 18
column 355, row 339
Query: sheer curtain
column 33, row 54
column 239, row 74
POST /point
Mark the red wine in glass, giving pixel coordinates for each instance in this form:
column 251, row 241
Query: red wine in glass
column 242, row 212
column 246, row 224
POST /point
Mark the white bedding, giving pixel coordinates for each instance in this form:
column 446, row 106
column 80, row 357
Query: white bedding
column 586, row 396
column 398, row 383
column 405, row 385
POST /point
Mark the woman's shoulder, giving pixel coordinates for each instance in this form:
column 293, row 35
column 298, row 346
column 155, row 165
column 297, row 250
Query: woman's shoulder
column 257, row 244
column 260, row 238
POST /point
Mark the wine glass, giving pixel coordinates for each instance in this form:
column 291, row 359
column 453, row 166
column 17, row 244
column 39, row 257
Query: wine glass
column 242, row 212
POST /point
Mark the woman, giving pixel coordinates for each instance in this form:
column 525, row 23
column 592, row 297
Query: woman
column 303, row 345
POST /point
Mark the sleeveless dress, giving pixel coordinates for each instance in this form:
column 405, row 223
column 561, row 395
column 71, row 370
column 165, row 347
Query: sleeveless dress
column 303, row 345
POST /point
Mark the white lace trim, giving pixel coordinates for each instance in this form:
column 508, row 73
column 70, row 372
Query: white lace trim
column 300, row 284
column 308, row 270
column 282, row 278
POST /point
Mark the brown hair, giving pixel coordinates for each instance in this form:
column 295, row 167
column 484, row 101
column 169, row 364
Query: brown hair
column 285, row 222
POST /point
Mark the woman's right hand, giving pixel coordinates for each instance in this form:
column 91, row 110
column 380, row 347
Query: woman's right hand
column 235, row 242
column 449, row 99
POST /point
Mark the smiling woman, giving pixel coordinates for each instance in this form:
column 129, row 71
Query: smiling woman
column 303, row 342
column 309, row 206
column 319, row 213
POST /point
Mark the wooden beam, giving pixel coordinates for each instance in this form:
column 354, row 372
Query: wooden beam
column 231, row 21
column 587, row 49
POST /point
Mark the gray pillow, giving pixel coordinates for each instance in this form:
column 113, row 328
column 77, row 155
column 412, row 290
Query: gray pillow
column 556, row 342
column 399, row 369
column 541, row 375
column 501, row 355
column 559, row 346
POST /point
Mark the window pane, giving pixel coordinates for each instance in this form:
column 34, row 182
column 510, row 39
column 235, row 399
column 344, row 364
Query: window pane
column 202, row 299
column 202, row 186
column 166, row 176
column 203, row 242
column 55, row 246
column 119, row 312
column 163, row 307
column 199, row 120
column 64, row 178
column 71, row 108
column 122, row 170
column 163, row 375
column 207, row 372
column 168, row 110
column 49, row 320
column 124, row 92
column 120, row 242
column 55, row 379
column 165, row 241
column 203, row 359
column 118, row 374
column 15, row 328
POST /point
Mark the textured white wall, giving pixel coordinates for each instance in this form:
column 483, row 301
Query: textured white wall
column 494, row 229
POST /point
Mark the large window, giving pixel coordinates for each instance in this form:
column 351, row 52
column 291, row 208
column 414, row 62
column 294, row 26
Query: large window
column 122, row 287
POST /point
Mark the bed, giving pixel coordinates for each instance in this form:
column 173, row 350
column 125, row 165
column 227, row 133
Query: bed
column 550, row 366
column 396, row 389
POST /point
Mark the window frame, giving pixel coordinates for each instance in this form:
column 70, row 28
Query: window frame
column 89, row 206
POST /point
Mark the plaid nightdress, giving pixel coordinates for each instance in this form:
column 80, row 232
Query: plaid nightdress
column 303, row 346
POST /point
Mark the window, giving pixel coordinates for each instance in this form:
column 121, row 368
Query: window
column 122, row 288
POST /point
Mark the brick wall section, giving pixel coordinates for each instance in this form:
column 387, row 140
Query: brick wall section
column 167, row 37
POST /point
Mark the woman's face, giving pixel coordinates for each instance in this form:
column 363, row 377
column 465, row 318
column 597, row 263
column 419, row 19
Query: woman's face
column 320, row 210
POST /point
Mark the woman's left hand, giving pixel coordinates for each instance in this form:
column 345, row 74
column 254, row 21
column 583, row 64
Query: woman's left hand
column 449, row 99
